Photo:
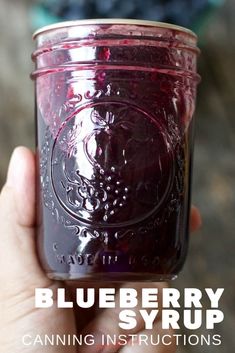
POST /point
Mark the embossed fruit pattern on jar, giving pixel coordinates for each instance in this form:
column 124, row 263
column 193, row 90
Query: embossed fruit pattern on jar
column 114, row 138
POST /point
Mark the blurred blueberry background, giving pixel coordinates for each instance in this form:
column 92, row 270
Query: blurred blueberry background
column 188, row 13
column 211, row 260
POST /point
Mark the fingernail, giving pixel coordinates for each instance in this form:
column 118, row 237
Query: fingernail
column 12, row 169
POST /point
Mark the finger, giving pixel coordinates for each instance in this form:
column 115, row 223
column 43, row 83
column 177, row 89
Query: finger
column 21, row 181
column 107, row 322
column 18, row 261
column 195, row 219
column 20, row 270
column 156, row 340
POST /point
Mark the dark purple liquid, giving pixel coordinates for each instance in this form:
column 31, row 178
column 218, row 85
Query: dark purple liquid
column 114, row 147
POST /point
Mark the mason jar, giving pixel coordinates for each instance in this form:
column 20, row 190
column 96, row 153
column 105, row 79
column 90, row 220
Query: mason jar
column 114, row 113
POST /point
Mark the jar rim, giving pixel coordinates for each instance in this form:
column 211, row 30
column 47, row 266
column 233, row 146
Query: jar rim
column 113, row 21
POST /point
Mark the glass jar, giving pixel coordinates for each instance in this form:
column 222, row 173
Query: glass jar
column 114, row 106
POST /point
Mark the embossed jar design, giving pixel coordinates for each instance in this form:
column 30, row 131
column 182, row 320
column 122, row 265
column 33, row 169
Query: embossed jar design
column 115, row 101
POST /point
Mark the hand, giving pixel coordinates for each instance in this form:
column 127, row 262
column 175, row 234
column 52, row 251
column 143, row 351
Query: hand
column 21, row 273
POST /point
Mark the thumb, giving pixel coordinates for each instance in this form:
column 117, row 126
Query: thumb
column 20, row 271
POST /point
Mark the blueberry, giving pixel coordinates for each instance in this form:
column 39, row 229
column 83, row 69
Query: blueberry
column 155, row 13
column 55, row 7
column 74, row 13
column 182, row 12
column 104, row 7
